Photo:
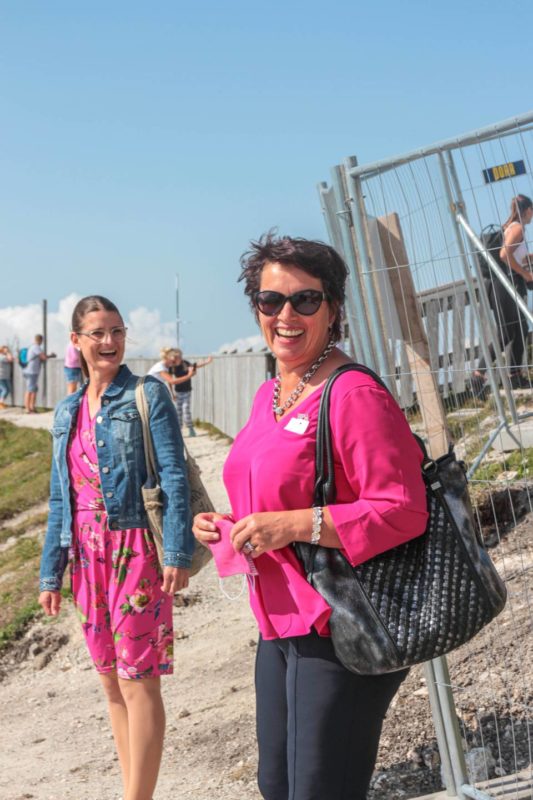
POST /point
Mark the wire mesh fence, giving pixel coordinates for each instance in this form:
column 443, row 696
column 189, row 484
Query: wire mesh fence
column 421, row 312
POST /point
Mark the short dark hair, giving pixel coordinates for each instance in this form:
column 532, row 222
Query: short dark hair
column 314, row 257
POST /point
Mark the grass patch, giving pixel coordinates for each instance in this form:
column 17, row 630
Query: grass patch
column 17, row 531
column 19, row 588
column 23, row 552
column 25, row 456
column 212, row 430
column 520, row 461
column 15, row 628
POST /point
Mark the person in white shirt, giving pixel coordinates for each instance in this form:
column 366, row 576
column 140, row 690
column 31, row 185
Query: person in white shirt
column 160, row 370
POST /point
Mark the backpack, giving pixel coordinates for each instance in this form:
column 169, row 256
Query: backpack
column 23, row 357
column 492, row 240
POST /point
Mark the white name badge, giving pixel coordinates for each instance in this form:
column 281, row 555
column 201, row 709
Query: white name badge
column 297, row 425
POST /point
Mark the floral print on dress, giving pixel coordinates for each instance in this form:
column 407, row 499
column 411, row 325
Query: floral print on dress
column 116, row 578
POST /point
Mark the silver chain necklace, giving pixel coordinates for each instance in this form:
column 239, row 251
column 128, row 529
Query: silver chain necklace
column 295, row 394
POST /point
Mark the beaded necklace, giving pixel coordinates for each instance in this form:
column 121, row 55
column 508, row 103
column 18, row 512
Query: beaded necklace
column 278, row 409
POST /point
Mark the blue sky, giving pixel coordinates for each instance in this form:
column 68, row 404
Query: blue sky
column 140, row 140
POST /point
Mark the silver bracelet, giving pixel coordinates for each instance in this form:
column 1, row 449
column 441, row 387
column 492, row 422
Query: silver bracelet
column 318, row 516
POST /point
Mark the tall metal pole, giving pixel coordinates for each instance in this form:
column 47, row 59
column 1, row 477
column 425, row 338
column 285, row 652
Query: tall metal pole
column 45, row 344
column 177, row 309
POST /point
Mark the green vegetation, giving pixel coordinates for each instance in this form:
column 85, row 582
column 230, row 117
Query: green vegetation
column 25, row 455
column 520, row 461
column 35, row 521
column 19, row 574
column 16, row 627
column 212, row 430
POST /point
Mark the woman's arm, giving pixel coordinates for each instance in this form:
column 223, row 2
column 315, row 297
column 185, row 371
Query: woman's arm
column 178, row 541
column 203, row 363
column 173, row 381
column 53, row 558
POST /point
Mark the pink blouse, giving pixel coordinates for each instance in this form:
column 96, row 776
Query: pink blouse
column 381, row 500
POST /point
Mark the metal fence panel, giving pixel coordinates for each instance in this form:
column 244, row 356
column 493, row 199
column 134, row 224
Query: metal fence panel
column 429, row 207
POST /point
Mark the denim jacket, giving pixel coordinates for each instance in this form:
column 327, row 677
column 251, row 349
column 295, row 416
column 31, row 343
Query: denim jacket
column 122, row 472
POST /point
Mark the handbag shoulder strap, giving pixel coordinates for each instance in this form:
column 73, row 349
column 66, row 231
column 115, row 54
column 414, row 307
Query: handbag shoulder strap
column 325, row 491
column 144, row 413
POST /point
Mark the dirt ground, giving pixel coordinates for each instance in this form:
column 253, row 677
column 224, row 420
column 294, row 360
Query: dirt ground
column 56, row 743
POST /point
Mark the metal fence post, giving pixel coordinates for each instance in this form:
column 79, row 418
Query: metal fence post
column 333, row 226
column 358, row 213
column 360, row 322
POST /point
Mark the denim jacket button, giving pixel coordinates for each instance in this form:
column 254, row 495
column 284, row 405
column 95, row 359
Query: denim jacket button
column 105, row 402
column 100, row 442
column 109, row 494
column 113, row 526
column 99, row 419
column 105, row 469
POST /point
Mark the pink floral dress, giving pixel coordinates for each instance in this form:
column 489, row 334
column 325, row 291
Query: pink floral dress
column 116, row 579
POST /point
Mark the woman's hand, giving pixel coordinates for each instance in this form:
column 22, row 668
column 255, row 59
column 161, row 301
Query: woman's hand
column 50, row 602
column 174, row 579
column 204, row 527
column 270, row 530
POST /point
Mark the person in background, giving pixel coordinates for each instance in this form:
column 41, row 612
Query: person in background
column 72, row 368
column 6, row 374
column 161, row 369
column 318, row 724
column 511, row 322
column 36, row 356
column 180, row 369
column 97, row 520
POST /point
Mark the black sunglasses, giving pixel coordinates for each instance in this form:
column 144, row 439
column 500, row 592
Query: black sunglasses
column 306, row 302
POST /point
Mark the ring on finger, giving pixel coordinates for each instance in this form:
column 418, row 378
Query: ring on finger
column 248, row 547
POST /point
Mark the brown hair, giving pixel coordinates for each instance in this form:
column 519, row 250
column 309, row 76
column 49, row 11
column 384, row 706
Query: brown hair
column 314, row 257
column 519, row 205
column 93, row 302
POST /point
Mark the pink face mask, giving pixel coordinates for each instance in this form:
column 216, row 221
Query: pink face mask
column 227, row 560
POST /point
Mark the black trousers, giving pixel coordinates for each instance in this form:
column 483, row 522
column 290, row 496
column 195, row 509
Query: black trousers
column 318, row 725
column 511, row 323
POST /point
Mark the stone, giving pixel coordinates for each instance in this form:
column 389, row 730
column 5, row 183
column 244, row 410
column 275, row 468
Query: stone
column 479, row 763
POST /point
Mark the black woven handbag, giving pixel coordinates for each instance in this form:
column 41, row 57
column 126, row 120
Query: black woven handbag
column 419, row 600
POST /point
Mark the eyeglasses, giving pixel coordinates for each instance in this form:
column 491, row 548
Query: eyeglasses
column 306, row 302
column 99, row 334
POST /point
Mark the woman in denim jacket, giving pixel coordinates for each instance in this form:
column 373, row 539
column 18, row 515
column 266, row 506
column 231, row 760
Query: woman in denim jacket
column 97, row 519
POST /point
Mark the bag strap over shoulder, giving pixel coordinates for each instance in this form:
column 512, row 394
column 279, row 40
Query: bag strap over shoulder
column 143, row 408
column 325, row 491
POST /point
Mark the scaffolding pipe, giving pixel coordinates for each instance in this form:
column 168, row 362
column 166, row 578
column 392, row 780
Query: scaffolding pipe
column 473, row 304
column 508, row 126
column 482, row 291
column 495, row 269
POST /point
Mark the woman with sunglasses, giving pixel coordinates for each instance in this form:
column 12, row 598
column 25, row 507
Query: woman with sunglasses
column 318, row 725
column 98, row 522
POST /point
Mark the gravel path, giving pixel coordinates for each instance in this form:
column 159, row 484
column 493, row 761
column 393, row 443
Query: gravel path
column 55, row 740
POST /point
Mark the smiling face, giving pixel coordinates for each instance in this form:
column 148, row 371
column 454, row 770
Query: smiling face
column 105, row 357
column 296, row 340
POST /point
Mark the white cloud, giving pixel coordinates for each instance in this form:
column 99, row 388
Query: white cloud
column 255, row 344
column 147, row 333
